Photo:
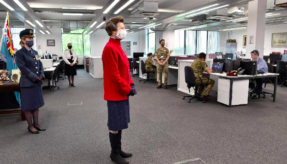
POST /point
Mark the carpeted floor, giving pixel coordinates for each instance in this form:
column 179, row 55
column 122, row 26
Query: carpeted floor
column 164, row 129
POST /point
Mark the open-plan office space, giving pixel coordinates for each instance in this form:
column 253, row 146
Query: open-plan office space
column 169, row 122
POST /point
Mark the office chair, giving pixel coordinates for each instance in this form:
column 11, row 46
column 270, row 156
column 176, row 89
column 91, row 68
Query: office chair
column 135, row 65
column 282, row 70
column 190, row 81
column 62, row 70
column 144, row 72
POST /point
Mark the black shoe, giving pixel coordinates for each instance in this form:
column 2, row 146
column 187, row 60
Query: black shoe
column 33, row 132
column 159, row 86
column 125, row 155
column 165, row 87
column 118, row 159
column 72, row 85
column 40, row 129
column 255, row 96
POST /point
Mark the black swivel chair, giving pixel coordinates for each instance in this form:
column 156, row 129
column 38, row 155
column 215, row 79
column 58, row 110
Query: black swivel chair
column 144, row 72
column 54, row 77
column 62, row 70
column 135, row 65
column 282, row 70
column 190, row 81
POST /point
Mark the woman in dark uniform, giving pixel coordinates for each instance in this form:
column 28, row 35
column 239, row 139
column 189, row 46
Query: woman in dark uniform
column 118, row 86
column 32, row 75
column 70, row 59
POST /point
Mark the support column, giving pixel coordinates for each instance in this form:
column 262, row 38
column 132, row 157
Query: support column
column 158, row 37
column 256, row 27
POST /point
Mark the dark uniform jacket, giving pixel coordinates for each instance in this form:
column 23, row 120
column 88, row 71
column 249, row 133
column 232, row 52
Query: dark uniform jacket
column 30, row 66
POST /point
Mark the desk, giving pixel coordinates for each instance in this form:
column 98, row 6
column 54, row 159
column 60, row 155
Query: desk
column 12, row 88
column 56, row 64
column 49, row 71
column 233, row 90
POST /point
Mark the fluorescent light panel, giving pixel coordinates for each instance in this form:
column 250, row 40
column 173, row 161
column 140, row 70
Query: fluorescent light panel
column 20, row 5
column 150, row 25
column 30, row 23
column 85, row 32
column 48, row 32
column 206, row 11
column 100, row 25
column 41, row 31
column 74, row 14
column 39, row 23
column 91, row 32
column 93, row 24
column 124, row 6
column 111, row 6
column 198, row 10
column 6, row 5
column 73, row 8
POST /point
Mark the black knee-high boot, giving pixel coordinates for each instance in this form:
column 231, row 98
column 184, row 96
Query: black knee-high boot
column 122, row 153
column 115, row 154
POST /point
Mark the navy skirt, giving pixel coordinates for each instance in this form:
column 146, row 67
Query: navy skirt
column 119, row 115
column 31, row 98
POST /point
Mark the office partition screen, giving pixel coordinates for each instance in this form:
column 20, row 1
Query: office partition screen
column 179, row 42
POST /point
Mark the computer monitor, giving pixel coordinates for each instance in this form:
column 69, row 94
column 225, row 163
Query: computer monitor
column 138, row 54
column 172, row 60
column 219, row 53
column 284, row 58
column 228, row 56
column 249, row 66
column 274, row 58
column 217, row 67
column 219, row 61
column 266, row 58
column 228, row 65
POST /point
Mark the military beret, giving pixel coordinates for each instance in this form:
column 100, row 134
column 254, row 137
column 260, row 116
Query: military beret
column 27, row 33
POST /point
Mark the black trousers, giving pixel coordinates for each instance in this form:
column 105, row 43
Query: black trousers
column 259, row 83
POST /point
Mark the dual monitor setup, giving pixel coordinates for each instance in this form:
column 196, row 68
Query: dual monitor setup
column 243, row 66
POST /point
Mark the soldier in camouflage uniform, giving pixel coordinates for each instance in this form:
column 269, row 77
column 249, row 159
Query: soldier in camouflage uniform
column 199, row 66
column 148, row 65
column 162, row 56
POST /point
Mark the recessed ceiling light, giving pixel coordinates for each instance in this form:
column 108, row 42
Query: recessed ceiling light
column 48, row 32
column 93, row 24
column 39, row 23
column 202, row 12
column 198, row 10
column 111, row 6
column 100, row 24
column 91, row 32
column 85, row 32
column 74, row 14
column 20, row 5
column 42, row 32
column 6, row 5
column 30, row 23
column 124, row 6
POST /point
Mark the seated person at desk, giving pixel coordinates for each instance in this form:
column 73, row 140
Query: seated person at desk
column 149, row 65
column 199, row 66
column 261, row 68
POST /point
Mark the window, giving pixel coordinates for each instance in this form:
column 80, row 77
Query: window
column 179, row 42
column 15, row 36
column 76, row 38
column 190, row 42
column 201, row 41
column 213, row 42
column 151, row 41
column 87, row 44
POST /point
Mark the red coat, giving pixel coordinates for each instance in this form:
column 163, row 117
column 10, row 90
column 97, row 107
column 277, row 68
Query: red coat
column 117, row 77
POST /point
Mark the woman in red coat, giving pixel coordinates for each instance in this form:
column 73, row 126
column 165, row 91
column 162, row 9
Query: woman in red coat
column 118, row 86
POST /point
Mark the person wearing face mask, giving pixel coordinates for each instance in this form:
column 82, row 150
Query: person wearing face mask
column 70, row 59
column 162, row 56
column 118, row 86
column 32, row 75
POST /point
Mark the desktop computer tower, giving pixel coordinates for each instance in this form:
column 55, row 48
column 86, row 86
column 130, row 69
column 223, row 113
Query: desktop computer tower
column 249, row 66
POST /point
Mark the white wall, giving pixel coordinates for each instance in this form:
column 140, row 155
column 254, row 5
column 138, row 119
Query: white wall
column 100, row 38
column 238, row 35
column 41, row 40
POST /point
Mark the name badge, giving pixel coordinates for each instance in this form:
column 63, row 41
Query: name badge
column 161, row 57
column 37, row 57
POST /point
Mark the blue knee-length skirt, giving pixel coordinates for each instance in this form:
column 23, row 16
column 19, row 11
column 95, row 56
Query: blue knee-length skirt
column 31, row 98
column 118, row 115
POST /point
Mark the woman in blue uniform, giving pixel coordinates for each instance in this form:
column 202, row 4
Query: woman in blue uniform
column 32, row 75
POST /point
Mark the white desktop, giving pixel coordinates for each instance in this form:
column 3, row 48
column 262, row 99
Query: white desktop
column 47, row 63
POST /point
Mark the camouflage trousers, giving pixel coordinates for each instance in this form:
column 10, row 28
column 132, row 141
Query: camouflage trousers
column 207, row 89
column 152, row 70
column 163, row 69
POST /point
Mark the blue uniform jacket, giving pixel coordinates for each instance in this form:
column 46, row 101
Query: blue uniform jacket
column 30, row 67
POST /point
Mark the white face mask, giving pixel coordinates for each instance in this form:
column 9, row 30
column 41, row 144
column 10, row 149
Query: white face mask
column 121, row 34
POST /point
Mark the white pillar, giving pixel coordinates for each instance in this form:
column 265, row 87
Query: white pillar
column 256, row 27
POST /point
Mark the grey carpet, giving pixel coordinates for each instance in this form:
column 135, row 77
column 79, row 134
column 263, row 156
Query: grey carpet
column 164, row 128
